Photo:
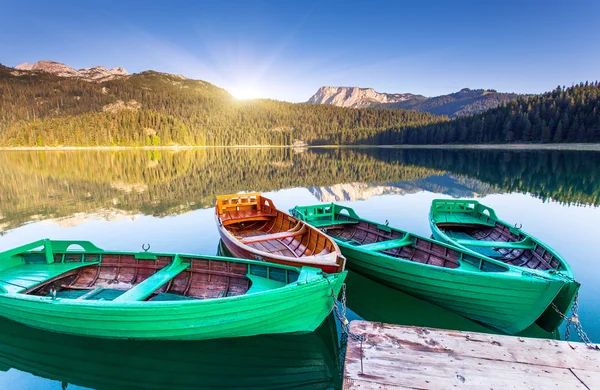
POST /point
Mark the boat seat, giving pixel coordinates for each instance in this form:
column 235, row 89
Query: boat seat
column 525, row 244
column 235, row 216
column 331, row 222
column 153, row 283
column 260, row 284
column 389, row 244
column 272, row 236
column 461, row 219
column 23, row 277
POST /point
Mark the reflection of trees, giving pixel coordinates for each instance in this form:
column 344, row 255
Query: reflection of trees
column 58, row 184
column 564, row 176
column 40, row 185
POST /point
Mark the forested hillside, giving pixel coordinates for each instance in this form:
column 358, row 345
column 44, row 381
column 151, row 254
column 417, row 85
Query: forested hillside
column 464, row 102
column 563, row 115
column 150, row 108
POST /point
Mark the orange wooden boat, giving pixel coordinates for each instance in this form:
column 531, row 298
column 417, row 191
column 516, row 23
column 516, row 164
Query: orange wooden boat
column 252, row 228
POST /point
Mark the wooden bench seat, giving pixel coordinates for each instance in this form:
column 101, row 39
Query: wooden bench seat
column 235, row 216
column 269, row 237
column 153, row 283
column 389, row 244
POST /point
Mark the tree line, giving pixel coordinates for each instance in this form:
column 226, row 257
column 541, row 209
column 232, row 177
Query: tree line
column 563, row 115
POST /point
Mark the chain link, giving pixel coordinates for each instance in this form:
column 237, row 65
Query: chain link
column 574, row 319
column 339, row 308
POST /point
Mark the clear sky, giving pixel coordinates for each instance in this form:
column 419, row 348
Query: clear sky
column 286, row 50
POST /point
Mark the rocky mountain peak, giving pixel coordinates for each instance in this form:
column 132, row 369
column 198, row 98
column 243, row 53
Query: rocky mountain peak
column 356, row 97
column 96, row 73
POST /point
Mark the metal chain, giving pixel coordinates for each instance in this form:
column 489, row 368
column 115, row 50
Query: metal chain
column 574, row 319
column 339, row 309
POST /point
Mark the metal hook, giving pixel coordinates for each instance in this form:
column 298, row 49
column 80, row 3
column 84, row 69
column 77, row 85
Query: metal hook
column 387, row 222
column 145, row 248
column 520, row 225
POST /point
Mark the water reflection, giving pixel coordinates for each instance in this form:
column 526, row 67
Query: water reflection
column 307, row 361
column 120, row 184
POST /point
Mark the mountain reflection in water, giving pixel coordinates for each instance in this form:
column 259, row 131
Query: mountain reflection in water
column 115, row 184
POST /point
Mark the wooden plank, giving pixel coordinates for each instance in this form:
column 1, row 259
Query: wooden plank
column 590, row 378
column 425, row 358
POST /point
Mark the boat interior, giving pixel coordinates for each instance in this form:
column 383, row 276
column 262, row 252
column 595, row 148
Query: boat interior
column 477, row 227
column 380, row 238
column 139, row 277
column 502, row 243
column 254, row 221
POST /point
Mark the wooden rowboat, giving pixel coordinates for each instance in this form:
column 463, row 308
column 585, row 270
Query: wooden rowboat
column 472, row 226
column 252, row 228
column 77, row 288
column 500, row 295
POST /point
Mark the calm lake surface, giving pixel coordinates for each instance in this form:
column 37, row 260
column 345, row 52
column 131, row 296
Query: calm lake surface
column 123, row 199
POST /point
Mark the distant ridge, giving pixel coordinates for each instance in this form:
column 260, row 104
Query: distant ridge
column 464, row 102
column 96, row 73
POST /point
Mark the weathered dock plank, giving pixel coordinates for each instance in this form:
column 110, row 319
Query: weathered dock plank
column 403, row 357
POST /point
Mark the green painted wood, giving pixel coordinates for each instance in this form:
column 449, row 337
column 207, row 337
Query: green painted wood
column 525, row 244
column 384, row 245
column 26, row 276
column 483, row 289
column 260, row 284
column 296, row 307
column 471, row 212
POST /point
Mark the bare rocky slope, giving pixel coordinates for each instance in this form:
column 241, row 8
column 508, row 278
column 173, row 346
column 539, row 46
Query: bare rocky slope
column 355, row 97
column 96, row 73
column 464, row 102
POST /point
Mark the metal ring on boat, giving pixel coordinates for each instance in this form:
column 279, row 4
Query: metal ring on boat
column 520, row 225
column 145, row 248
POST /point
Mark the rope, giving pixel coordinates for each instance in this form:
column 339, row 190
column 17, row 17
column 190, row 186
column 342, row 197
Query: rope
column 339, row 309
column 574, row 319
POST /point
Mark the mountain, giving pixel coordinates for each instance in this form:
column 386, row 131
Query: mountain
column 448, row 184
column 52, row 104
column 464, row 102
column 355, row 97
column 96, row 73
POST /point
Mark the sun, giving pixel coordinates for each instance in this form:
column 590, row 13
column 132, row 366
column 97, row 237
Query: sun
column 245, row 91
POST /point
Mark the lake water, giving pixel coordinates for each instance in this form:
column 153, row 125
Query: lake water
column 123, row 199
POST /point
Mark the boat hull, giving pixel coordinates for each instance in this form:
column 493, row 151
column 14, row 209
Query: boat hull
column 297, row 309
column 145, row 295
column 509, row 303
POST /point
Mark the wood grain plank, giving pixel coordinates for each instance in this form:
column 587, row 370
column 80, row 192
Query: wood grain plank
column 395, row 356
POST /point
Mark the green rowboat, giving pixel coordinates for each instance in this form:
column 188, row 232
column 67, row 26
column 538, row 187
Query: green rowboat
column 470, row 225
column 77, row 288
column 502, row 296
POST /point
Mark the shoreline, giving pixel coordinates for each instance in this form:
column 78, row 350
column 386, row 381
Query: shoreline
column 580, row 147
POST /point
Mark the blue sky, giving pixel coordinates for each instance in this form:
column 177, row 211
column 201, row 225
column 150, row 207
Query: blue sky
column 286, row 50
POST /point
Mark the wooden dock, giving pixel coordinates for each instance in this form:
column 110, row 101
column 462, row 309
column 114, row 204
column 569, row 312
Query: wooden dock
column 404, row 357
